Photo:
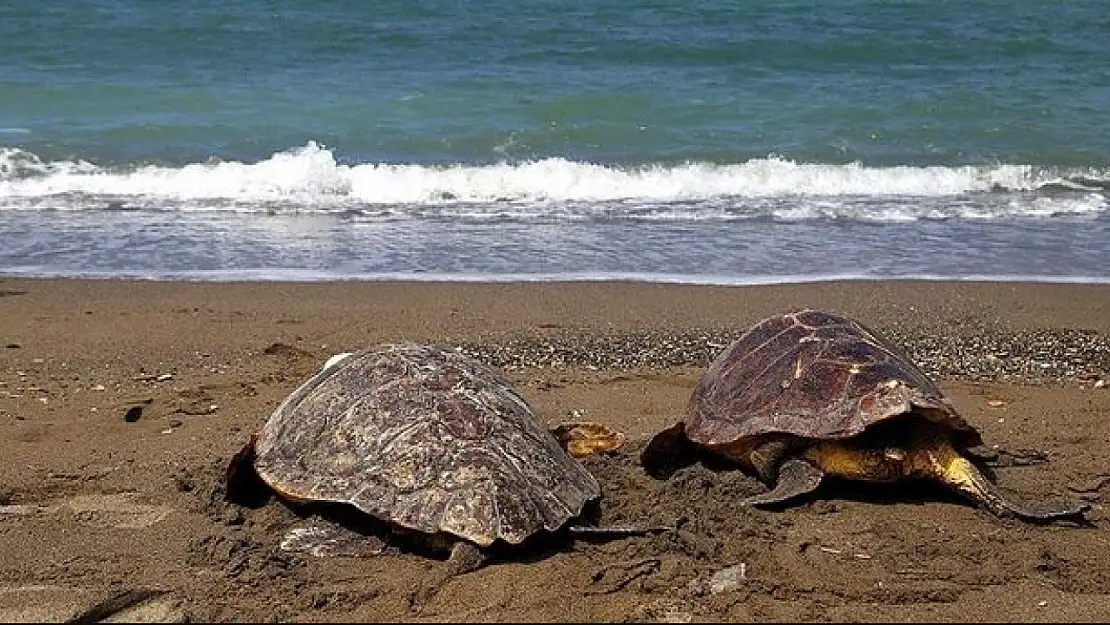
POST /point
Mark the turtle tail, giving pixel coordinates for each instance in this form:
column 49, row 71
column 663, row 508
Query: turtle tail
column 961, row 474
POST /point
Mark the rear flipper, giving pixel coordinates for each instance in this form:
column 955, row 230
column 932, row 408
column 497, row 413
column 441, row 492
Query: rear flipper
column 965, row 477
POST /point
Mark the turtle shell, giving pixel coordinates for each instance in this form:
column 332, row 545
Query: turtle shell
column 426, row 438
column 812, row 374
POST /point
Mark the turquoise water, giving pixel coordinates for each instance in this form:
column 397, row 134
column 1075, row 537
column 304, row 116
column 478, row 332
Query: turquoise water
column 729, row 142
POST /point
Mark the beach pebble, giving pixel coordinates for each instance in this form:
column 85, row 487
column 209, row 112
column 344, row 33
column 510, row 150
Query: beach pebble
column 1036, row 357
column 133, row 414
column 728, row 579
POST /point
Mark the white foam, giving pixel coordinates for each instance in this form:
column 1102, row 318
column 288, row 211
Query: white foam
column 310, row 178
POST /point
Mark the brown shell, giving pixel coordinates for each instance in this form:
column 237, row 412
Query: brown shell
column 426, row 438
column 812, row 374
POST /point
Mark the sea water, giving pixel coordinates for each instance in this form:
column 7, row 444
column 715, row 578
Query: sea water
column 712, row 142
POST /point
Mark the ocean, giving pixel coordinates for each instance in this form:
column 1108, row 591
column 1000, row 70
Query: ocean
column 720, row 142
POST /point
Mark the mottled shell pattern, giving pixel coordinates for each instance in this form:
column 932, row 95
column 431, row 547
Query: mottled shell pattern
column 426, row 438
column 812, row 374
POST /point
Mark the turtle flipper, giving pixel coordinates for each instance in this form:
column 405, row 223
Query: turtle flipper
column 321, row 538
column 465, row 557
column 959, row 473
column 796, row 477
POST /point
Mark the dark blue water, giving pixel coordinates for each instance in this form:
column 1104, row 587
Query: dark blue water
column 726, row 142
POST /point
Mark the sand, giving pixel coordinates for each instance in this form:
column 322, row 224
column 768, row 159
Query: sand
column 121, row 403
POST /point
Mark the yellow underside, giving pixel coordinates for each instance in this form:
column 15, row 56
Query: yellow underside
column 937, row 461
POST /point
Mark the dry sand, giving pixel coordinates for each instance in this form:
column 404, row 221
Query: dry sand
column 95, row 505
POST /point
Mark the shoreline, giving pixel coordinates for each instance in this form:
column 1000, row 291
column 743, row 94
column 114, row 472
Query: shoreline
column 308, row 276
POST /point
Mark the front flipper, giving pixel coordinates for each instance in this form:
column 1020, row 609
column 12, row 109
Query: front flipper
column 465, row 557
column 321, row 539
column 796, row 477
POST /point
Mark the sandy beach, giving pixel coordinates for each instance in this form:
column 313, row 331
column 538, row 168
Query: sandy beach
column 121, row 403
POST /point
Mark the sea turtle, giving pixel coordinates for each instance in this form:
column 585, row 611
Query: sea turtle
column 811, row 393
column 432, row 442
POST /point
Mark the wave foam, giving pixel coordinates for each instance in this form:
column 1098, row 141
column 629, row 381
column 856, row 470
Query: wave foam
column 310, row 178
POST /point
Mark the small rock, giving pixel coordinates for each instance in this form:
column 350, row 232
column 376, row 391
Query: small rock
column 133, row 414
column 996, row 403
column 1100, row 383
column 164, row 377
column 99, row 387
column 728, row 579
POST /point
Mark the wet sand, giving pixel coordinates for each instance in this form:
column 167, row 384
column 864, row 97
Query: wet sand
column 121, row 403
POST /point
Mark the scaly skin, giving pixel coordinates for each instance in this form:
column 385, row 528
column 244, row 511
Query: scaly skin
column 929, row 456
